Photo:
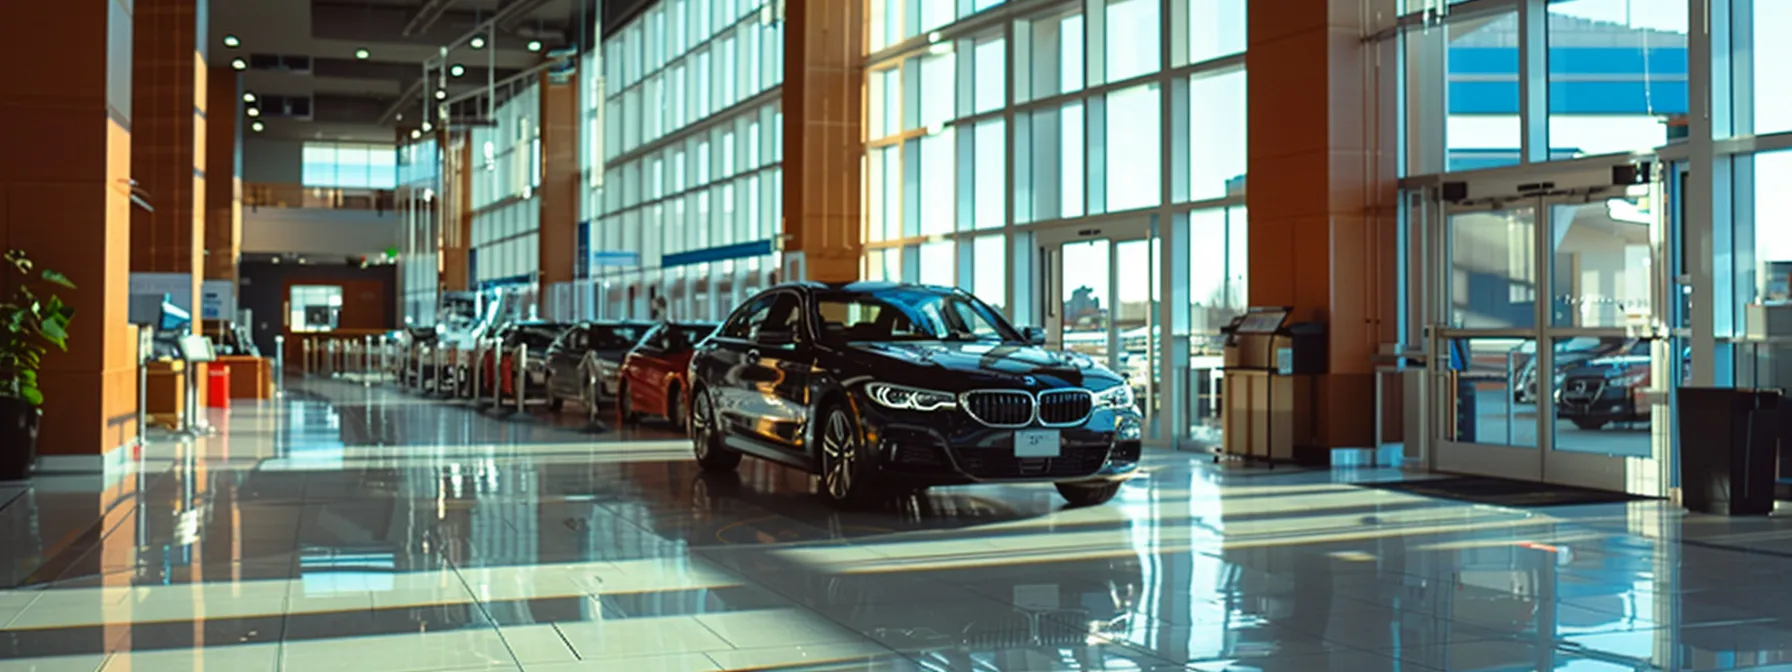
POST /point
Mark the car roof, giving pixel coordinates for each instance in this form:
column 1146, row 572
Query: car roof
column 864, row 286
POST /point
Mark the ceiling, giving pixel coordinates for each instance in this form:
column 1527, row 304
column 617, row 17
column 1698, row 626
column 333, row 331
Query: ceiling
column 374, row 98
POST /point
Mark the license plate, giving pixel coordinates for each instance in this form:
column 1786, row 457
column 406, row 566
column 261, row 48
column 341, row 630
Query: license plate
column 1036, row 443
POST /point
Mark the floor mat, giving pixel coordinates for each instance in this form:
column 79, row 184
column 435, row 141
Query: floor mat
column 1503, row 492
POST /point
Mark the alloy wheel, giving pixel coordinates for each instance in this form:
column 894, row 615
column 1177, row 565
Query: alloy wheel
column 840, row 457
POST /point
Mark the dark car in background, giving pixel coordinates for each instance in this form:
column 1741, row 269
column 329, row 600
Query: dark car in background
column 654, row 373
column 881, row 387
column 585, row 363
column 499, row 364
column 1612, row 390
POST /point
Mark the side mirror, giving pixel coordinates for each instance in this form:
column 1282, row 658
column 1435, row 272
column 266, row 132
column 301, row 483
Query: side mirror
column 1034, row 335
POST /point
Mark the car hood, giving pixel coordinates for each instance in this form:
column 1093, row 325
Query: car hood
column 979, row 364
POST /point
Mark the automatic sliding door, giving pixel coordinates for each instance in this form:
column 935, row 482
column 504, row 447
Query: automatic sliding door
column 1488, row 356
column 1101, row 298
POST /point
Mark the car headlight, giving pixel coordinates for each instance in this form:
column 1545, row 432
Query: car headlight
column 1117, row 397
column 910, row 398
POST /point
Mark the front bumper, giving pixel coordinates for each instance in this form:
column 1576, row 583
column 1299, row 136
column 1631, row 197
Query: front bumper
column 1595, row 400
column 949, row 448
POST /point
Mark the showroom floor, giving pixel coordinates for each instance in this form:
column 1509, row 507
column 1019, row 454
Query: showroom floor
column 359, row 528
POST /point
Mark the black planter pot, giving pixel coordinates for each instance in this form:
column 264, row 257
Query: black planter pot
column 18, row 438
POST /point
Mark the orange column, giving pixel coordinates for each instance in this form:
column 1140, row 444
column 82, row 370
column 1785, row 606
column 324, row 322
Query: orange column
column 824, row 136
column 1322, row 197
column 65, row 200
column 455, row 223
column 168, row 141
column 224, row 184
column 558, row 236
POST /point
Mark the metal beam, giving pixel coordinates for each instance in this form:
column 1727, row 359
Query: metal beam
column 426, row 16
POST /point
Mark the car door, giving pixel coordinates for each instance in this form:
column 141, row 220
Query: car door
column 563, row 363
column 778, row 358
column 722, row 366
column 643, row 369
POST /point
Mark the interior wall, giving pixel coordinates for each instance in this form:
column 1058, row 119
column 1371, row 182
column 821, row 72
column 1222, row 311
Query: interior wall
column 320, row 232
column 370, row 295
column 273, row 161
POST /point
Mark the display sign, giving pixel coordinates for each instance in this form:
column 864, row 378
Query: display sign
column 217, row 300
column 177, row 286
column 196, row 348
column 1263, row 320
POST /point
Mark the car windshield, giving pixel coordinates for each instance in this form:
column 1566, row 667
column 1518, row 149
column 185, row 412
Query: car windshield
column 537, row 336
column 908, row 314
column 692, row 333
column 614, row 337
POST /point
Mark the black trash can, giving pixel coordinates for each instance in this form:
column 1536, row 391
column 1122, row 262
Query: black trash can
column 1729, row 445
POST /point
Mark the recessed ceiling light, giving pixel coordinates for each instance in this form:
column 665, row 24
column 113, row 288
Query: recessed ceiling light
column 427, row 128
column 231, row 41
column 254, row 112
column 441, row 94
column 248, row 96
column 534, row 45
column 239, row 64
column 363, row 54
column 478, row 42
column 457, row 70
column 257, row 127
column 416, row 134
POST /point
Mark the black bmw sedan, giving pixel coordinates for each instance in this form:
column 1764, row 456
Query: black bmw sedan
column 881, row 387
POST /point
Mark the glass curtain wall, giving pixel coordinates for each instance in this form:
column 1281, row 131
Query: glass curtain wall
column 1012, row 122
column 687, row 201
column 506, row 169
column 419, row 173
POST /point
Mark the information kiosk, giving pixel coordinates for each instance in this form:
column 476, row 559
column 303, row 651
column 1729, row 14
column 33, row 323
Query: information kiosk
column 1269, row 393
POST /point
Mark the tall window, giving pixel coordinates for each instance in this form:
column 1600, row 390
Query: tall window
column 345, row 165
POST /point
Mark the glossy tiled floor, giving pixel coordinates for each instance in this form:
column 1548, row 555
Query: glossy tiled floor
column 353, row 528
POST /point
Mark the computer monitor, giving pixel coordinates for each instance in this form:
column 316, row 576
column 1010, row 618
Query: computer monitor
column 173, row 317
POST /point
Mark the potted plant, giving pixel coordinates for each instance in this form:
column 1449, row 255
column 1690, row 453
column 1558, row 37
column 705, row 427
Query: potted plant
column 29, row 325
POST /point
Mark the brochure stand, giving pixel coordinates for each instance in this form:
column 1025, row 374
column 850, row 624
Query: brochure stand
column 195, row 349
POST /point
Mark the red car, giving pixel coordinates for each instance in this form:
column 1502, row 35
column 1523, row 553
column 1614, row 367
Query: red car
column 654, row 372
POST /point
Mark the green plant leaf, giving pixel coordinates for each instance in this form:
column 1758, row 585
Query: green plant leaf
column 54, row 277
column 31, row 395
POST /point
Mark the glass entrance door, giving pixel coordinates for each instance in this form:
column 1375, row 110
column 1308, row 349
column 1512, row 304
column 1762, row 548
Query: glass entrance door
column 1551, row 359
column 1100, row 299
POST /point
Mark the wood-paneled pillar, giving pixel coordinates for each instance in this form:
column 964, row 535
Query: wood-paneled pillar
column 168, row 147
column 558, row 235
column 65, row 199
column 1322, row 196
column 223, row 174
column 824, row 135
column 455, row 206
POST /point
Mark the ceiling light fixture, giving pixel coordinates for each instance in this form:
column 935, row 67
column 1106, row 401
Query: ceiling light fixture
column 257, row 126
column 416, row 134
column 534, row 45
column 363, row 54
column 457, row 70
column 427, row 128
column 254, row 112
column 248, row 96
column 231, row 41
column 441, row 94
column 478, row 42
column 239, row 64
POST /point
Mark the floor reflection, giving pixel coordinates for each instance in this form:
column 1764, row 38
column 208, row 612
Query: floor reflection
column 356, row 528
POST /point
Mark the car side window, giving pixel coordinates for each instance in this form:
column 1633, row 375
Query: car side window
column 745, row 322
column 785, row 316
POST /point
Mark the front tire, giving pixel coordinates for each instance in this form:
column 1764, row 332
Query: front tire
column 706, row 438
column 625, row 406
column 675, row 414
column 846, row 467
column 1089, row 493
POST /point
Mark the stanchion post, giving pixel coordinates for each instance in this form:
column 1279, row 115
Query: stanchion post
column 279, row 363
column 366, row 360
column 521, row 365
column 478, row 370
